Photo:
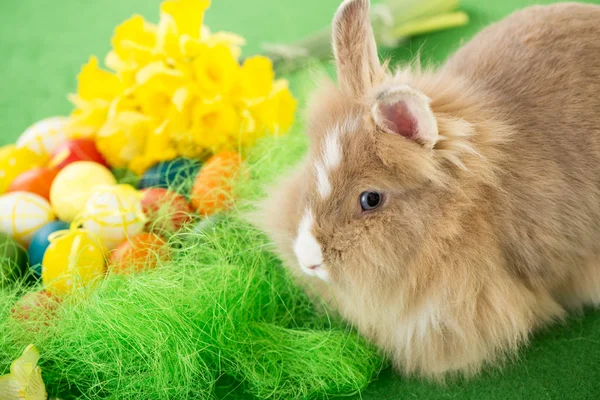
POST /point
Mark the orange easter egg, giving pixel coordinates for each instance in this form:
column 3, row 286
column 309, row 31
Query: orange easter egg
column 213, row 187
column 37, row 181
column 139, row 253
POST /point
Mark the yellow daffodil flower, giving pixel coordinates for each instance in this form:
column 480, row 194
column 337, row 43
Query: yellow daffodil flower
column 123, row 137
column 156, row 84
column 216, row 71
column 176, row 89
column 87, row 118
column 188, row 15
column 257, row 78
column 25, row 379
column 95, row 83
column 158, row 147
column 276, row 113
column 133, row 45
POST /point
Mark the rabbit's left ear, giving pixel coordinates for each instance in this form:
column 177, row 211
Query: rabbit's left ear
column 405, row 111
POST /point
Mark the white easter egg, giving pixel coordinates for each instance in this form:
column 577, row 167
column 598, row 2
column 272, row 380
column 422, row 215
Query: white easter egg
column 22, row 214
column 44, row 136
column 113, row 214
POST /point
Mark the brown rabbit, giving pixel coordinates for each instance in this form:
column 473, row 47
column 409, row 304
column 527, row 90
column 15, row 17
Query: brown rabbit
column 449, row 214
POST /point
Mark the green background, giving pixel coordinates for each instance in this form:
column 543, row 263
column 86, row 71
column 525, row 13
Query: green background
column 43, row 43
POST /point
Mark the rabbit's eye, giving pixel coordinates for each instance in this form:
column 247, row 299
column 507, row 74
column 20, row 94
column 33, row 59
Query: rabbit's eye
column 369, row 201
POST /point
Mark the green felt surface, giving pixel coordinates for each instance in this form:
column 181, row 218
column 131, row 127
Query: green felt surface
column 43, row 43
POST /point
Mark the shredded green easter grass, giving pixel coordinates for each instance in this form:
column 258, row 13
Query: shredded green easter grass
column 221, row 318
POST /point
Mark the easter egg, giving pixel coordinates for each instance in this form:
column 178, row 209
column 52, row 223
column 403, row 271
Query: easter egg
column 39, row 244
column 35, row 307
column 140, row 253
column 176, row 175
column 14, row 161
column 166, row 211
column 22, row 214
column 113, row 214
column 76, row 150
column 213, row 187
column 44, row 136
column 37, row 181
column 74, row 185
column 13, row 260
column 73, row 259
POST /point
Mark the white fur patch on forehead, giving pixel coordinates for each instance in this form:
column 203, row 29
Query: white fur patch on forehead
column 331, row 155
column 307, row 248
column 332, row 150
column 323, row 184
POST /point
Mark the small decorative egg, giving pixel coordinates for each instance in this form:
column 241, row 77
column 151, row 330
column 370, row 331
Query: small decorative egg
column 74, row 185
column 44, row 136
column 35, row 307
column 39, row 244
column 140, row 253
column 213, row 186
column 113, row 214
column 37, row 181
column 165, row 210
column 73, row 259
column 14, row 161
column 76, row 150
column 22, row 214
column 13, row 260
column 176, row 175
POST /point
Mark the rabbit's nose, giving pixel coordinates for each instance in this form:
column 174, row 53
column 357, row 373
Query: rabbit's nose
column 314, row 267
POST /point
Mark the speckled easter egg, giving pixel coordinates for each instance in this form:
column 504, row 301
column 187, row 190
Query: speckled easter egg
column 44, row 136
column 37, row 181
column 13, row 260
column 139, row 253
column 39, row 244
column 213, row 187
column 165, row 210
column 113, row 214
column 76, row 150
column 176, row 175
column 13, row 162
column 35, row 307
column 74, row 185
column 22, row 214
column 73, row 259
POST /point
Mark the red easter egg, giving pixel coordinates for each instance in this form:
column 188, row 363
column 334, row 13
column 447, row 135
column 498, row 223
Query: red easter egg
column 167, row 211
column 139, row 253
column 37, row 180
column 76, row 150
column 35, row 307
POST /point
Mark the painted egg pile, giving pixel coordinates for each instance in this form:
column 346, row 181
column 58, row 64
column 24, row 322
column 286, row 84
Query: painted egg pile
column 66, row 220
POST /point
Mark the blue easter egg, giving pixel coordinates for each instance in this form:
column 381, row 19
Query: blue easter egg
column 40, row 243
column 177, row 175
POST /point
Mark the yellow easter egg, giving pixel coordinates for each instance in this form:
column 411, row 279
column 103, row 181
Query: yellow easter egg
column 14, row 161
column 44, row 136
column 73, row 259
column 113, row 214
column 74, row 185
column 22, row 214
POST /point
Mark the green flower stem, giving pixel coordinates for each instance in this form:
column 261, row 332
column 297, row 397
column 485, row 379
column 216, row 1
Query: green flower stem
column 392, row 20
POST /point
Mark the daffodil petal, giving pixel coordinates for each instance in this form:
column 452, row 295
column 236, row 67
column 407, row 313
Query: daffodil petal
column 187, row 14
column 95, row 83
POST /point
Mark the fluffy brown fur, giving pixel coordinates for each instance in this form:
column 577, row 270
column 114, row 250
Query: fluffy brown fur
column 490, row 226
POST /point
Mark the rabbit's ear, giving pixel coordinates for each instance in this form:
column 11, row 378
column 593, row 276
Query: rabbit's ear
column 354, row 47
column 405, row 111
